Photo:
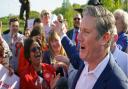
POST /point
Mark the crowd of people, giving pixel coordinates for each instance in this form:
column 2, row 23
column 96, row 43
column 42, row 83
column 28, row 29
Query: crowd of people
column 91, row 55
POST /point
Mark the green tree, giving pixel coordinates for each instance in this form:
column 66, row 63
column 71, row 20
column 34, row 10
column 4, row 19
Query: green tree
column 125, row 5
column 75, row 6
column 34, row 14
column 112, row 4
column 67, row 11
column 57, row 11
column 108, row 4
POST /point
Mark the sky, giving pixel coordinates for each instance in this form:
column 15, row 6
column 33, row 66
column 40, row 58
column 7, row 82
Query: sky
column 12, row 7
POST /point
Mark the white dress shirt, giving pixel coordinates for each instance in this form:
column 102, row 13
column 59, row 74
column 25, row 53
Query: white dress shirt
column 121, row 59
column 87, row 78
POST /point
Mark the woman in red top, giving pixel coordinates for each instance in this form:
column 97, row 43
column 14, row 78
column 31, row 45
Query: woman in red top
column 36, row 34
column 37, row 75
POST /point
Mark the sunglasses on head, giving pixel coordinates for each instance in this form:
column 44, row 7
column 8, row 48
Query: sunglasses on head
column 76, row 18
column 34, row 49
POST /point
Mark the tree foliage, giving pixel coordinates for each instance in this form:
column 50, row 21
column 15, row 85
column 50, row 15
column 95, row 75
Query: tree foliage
column 115, row 4
column 68, row 12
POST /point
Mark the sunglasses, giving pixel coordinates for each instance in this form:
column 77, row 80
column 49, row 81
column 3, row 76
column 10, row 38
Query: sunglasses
column 45, row 14
column 34, row 49
column 76, row 18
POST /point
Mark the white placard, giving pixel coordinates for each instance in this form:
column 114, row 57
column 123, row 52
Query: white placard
column 30, row 23
column 6, row 81
column 53, row 18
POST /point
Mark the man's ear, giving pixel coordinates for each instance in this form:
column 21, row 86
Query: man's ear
column 115, row 38
column 106, row 37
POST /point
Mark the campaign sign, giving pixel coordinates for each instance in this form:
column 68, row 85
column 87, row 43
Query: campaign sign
column 7, row 81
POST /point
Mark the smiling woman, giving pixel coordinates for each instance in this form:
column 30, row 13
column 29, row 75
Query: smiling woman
column 36, row 75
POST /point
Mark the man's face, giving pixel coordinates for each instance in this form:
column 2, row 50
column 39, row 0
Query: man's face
column 77, row 21
column 45, row 18
column 14, row 27
column 89, row 44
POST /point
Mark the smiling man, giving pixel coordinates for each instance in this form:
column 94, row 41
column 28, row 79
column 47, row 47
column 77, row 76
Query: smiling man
column 97, row 70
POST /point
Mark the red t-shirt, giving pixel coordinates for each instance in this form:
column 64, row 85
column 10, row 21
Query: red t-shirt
column 29, row 76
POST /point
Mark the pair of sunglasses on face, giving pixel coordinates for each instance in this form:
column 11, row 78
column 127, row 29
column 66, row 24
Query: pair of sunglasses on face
column 34, row 49
column 76, row 18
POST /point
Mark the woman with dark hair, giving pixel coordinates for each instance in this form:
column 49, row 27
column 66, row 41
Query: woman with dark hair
column 37, row 35
column 37, row 75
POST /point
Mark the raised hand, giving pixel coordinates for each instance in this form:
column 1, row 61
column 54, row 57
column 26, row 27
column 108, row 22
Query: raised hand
column 54, row 80
column 60, row 28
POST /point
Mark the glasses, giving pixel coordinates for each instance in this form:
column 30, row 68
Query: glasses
column 34, row 49
column 76, row 18
column 45, row 14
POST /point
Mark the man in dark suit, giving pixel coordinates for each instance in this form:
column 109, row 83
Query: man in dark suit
column 98, row 69
column 73, row 33
column 25, row 7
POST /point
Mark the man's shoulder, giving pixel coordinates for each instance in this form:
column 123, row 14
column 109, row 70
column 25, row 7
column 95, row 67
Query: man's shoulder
column 70, row 33
column 120, row 54
column 6, row 32
column 5, row 36
column 71, row 30
column 112, row 77
column 116, row 77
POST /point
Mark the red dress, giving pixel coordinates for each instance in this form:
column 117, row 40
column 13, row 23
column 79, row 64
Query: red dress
column 29, row 76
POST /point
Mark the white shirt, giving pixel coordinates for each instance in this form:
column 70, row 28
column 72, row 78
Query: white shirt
column 47, row 29
column 121, row 59
column 74, row 34
column 87, row 79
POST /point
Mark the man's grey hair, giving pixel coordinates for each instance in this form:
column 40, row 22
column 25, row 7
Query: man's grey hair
column 105, row 21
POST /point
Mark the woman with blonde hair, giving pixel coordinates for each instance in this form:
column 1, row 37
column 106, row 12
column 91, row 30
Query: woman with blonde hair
column 55, row 48
column 55, row 56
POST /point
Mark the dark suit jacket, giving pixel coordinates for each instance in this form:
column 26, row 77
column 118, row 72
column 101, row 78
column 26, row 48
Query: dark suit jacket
column 7, row 31
column 72, row 52
column 47, row 57
column 70, row 33
column 111, row 78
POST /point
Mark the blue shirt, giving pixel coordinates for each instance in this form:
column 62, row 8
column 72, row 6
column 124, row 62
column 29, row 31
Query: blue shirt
column 122, row 41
